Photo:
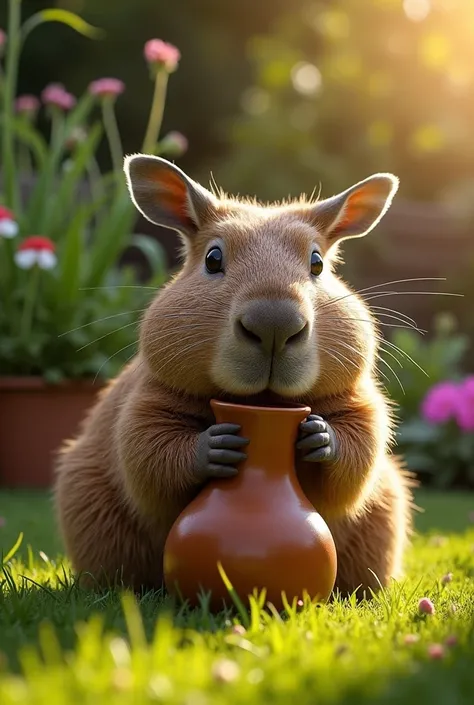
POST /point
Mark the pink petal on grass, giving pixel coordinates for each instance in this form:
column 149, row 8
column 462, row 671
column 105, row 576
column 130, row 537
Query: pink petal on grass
column 425, row 606
column 436, row 651
column 448, row 578
column 410, row 639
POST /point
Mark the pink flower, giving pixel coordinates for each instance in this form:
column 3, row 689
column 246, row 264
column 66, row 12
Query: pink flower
column 436, row 651
column 27, row 104
column 238, row 629
column 36, row 250
column 425, row 606
column 438, row 541
column 441, row 402
column 465, row 406
column 56, row 94
column 225, row 670
column 174, row 144
column 8, row 224
column 410, row 639
column 107, row 87
column 451, row 640
column 158, row 52
column 447, row 578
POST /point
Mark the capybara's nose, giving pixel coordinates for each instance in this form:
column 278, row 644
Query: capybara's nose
column 272, row 324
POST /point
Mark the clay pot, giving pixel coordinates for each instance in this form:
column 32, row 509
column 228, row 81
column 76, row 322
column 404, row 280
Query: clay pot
column 259, row 525
column 35, row 419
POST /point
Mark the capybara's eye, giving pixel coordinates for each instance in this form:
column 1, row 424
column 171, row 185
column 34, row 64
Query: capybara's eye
column 214, row 260
column 316, row 264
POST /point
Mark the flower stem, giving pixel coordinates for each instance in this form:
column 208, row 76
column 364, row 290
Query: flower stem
column 24, row 159
column 113, row 134
column 57, row 128
column 95, row 184
column 9, row 90
column 29, row 304
column 156, row 112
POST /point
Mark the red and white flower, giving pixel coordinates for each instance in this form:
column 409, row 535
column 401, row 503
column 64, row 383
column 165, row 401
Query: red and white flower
column 36, row 250
column 8, row 224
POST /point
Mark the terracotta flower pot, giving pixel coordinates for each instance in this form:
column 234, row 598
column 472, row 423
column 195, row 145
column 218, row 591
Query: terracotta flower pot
column 35, row 418
column 259, row 525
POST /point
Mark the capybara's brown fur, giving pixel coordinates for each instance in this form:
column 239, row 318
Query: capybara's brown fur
column 123, row 481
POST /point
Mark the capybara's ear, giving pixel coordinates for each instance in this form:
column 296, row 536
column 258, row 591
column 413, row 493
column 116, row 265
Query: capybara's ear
column 166, row 196
column 356, row 211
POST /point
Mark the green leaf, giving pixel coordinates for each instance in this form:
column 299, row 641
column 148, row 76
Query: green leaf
column 64, row 17
column 110, row 237
column 69, row 281
column 62, row 203
column 154, row 252
column 31, row 138
column 418, row 431
column 13, row 550
column 46, row 184
column 418, row 461
column 470, row 471
column 53, row 375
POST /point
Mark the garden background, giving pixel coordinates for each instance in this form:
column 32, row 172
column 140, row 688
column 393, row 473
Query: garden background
column 269, row 99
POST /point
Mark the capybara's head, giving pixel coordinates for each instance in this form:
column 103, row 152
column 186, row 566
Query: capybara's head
column 256, row 308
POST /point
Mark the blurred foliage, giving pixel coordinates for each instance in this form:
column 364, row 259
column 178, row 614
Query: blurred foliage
column 278, row 96
column 344, row 88
column 441, row 455
column 210, row 34
column 76, row 316
column 414, row 363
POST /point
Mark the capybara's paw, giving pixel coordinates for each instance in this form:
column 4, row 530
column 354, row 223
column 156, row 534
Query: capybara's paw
column 317, row 439
column 218, row 451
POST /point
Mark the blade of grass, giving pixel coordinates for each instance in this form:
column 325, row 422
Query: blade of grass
column 13, row 550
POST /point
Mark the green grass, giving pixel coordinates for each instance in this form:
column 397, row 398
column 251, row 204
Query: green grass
column 59, row 645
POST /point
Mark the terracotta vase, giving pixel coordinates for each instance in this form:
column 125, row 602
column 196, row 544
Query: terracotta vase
column 259, row 525
column 35, row 418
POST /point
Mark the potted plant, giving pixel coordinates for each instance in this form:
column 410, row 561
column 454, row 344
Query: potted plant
column 68, row 312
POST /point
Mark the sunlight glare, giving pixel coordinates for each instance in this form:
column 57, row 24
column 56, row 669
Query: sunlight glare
column 306, row 78
column 417, row 10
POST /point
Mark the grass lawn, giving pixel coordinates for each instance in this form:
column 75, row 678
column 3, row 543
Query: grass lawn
column 59, row 645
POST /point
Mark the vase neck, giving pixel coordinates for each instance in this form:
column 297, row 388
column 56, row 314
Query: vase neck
column 272, row 444
column 272, row 433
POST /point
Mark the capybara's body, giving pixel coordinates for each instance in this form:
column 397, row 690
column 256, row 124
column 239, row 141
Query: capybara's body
column 223, row 332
